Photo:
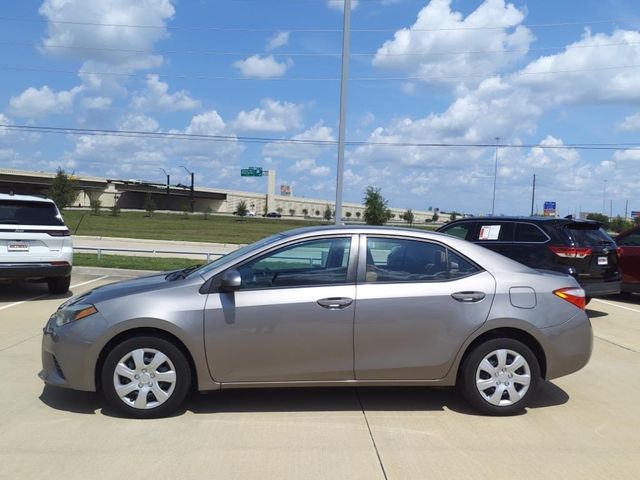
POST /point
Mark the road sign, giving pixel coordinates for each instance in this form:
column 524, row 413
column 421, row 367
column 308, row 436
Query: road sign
column 635, row 214
column 549, row 209
column 251, row 172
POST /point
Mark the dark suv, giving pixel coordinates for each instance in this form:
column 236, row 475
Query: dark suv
column 580, row 248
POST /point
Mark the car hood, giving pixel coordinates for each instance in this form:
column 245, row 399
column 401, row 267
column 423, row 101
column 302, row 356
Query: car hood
column 129, row 287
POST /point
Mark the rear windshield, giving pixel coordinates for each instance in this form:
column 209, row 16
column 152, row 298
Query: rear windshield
column 13, row 212
column 590, row 235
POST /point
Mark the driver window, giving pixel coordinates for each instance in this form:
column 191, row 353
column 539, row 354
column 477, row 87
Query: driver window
column 310, row 263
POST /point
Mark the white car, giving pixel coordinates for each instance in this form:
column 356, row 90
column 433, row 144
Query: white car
column 35, row 244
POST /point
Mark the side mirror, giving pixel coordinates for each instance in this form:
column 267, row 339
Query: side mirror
column 230, row 281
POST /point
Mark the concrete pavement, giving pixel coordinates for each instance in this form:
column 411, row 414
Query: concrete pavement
column 586, row 425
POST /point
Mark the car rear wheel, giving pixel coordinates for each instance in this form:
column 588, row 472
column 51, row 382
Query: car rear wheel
column 58, row 285
column 499, row 377
column 146, row 377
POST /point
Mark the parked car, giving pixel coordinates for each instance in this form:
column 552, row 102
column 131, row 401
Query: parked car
column 629, row 251
column 35, row 244
column 580, row 248
column 324, row 306
column 273, row 215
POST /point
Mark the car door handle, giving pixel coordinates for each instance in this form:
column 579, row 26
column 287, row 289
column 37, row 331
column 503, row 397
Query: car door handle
column 335, row 303
column 468, row 297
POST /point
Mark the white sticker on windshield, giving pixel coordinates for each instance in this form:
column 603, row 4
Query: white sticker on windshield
column 489, row 232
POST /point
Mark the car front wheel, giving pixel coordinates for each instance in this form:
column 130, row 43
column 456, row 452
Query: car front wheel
column 499, row 377
column 146, row 377
column 58, row 285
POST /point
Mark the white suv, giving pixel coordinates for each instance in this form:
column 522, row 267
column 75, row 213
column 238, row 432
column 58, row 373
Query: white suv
column 35, row 244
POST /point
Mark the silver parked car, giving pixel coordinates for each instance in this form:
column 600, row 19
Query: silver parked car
column 334, row 306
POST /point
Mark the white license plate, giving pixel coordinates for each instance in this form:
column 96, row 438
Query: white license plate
column 603, row 261
column 18, row 247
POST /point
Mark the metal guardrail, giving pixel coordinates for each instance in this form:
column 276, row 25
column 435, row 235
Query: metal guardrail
column 100, row 250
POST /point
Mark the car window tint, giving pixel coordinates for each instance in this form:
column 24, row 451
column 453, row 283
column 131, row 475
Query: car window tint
column 494, row 232
column 462, row 230
column 589, row 236
column 460, row 267
column 632, row 240
column 528, row 232
column 401, row 260
column 316, row 262
column 29, row 213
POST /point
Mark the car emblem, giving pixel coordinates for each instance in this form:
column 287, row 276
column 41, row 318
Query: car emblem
column 605, row 250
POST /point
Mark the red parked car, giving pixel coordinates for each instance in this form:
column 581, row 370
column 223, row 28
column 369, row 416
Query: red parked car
column 629, row 250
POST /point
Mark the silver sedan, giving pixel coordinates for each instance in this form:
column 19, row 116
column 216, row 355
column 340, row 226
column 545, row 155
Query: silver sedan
column 325, row 306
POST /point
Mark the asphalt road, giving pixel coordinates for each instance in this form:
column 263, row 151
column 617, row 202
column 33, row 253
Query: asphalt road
column 586, row 425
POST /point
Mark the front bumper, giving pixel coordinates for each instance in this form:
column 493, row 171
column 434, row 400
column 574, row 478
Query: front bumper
column 568, row 346
column 70, row 353
column 34, row 270
column 600, row 289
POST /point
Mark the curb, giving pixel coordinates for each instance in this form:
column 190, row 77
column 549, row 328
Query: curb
column 114, row 272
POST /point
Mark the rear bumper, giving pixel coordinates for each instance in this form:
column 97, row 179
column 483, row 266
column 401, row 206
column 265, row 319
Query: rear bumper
column 34, row 270
column 568, row 346
column 631, row 287
column 600, row 289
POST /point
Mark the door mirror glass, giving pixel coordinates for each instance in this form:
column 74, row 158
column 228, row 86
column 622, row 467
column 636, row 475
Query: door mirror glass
column 230, row 281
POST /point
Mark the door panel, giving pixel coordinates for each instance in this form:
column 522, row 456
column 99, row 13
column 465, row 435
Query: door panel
column 414, row 330
column 276, row 335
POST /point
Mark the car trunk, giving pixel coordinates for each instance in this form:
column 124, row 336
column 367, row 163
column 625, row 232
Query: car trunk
column 602, row 262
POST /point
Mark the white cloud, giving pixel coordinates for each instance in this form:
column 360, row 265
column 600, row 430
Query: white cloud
column 630, row 123
column 434, row 47
column 309, row 166
column 96, row 103
column 319, row 132
column 280, row 39
column 157, row 97
column 206, row 123
column 39, row 102
column 339, row 4
column 4, row 120
column 262, row 67
column 273, row 116
column 138, row 122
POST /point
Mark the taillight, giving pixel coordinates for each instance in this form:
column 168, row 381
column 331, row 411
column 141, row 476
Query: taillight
column 571, row 252
column 619, row 251
column 573, row 295
column 58, row 233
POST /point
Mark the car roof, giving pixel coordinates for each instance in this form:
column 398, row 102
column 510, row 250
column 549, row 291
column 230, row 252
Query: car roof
column 380, row 229
column 524, row 219
column 24, row 198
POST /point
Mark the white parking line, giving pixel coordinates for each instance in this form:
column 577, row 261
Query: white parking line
column 616, row 305
column 46, row 294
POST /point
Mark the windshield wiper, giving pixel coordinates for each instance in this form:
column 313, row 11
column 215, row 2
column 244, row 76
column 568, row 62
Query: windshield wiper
column 180, row 274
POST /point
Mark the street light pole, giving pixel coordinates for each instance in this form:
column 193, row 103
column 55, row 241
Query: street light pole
column 168, row 180
column 533, row 193
column 192, row 199
column 344, row 83
column 495, row 179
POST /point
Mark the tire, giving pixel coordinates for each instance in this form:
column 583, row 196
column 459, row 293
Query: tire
column 587, row 300
column 58, row 285
column 499, row 365
column 135, row 362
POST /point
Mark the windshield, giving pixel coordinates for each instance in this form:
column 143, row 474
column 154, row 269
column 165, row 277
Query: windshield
column 16, row 212
column 235, row 254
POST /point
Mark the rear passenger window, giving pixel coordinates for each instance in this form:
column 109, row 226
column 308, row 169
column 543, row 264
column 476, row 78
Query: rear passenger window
column 528, row 232
column 463, row 230
column 460, row 267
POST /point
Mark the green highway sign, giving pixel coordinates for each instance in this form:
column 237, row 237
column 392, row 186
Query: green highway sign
column 251, row 172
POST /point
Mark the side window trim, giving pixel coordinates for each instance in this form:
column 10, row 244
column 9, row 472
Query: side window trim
column 351, row 265
column 534, row 225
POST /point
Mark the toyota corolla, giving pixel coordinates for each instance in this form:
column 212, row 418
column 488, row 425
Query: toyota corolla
column 325, row 306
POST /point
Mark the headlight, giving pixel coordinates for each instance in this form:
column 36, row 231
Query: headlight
column 72, row 313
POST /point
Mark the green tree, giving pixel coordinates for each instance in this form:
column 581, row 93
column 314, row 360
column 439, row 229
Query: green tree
column 62, row 189
column 206, row 212
column 435, row 217
column 636, row 220
column 95, row 206
column 408, row 216
column 292, row 211
column 241, row 209
column 317, row 212
column 115, row 209
column 149, row 205
column 375, row 207
column 358, row 214
column 305, row 212
column 453, row 216
column 327, row 213
column 348, row 214
column 600, row 218
column 619, row 224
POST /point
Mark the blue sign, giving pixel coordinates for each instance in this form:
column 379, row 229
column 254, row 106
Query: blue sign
column 635, row 214
column 549, row 205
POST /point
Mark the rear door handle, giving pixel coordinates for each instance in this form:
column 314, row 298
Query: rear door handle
column 468, row 297
column 335, row 303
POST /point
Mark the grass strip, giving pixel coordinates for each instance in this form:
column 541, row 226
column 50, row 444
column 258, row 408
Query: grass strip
column 134, row 263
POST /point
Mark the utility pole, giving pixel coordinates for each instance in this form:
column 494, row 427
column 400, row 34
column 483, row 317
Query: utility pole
column 168, row 181
column 495, row 178
column 533, row 193
column 192, row 200
column 626, row 208
column 610, row 207
column 604, row 198
column 344, row 84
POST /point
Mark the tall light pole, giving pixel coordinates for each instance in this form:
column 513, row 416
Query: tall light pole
column 344, row 83
column 604, row 198
column 533, row 193
column 495, row 178
column 168, row 180
column 192, row 199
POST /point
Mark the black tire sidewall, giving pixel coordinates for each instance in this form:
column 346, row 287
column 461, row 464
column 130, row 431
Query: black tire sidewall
column 467, row 377
column 58, row 285
column 177, row 357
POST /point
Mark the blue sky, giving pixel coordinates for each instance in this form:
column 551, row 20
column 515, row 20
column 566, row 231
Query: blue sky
column 422, row 72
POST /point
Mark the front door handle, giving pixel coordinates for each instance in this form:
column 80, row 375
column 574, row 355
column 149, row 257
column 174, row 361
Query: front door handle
column 468, row 297
column 335, row 303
